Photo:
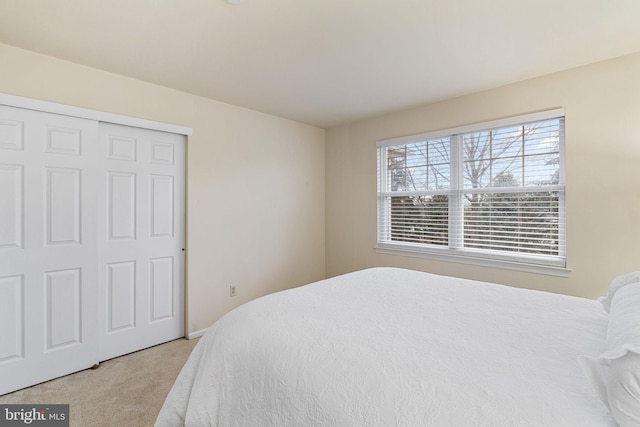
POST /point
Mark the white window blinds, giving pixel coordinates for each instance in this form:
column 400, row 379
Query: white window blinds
column 494, row 190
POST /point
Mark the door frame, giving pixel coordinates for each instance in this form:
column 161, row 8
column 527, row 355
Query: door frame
column 85, row 113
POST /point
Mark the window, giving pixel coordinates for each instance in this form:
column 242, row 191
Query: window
column 491, row 194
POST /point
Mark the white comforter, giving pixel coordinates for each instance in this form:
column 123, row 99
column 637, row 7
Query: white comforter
column 393, row 347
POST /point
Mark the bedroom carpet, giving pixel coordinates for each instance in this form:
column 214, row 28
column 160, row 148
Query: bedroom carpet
column 125, row 391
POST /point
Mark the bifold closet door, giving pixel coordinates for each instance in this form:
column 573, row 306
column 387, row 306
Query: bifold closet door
column 48, row 246
column 142, row 244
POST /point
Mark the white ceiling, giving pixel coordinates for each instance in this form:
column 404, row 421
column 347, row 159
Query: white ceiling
column 326, row 62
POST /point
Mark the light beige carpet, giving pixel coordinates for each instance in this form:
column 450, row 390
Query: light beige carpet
column 125, row 391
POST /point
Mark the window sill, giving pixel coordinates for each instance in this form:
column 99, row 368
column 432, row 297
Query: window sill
column 464, row 257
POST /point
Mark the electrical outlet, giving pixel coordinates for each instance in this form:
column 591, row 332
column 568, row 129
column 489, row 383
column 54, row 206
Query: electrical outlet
column 232, row 290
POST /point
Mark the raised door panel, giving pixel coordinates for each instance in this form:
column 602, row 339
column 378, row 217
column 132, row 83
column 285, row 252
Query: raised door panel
column 162, row 153
column 11, row 318
column 162, row 205
column 121, row 148
column 121, row 210
column 11, row 134
column 161, row 289
column 63, row 308
column 62, row 216
column 11, row 208
column 121, row 296
column 59, row 140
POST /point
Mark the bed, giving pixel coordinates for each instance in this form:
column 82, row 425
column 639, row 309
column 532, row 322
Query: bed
column 396, row 347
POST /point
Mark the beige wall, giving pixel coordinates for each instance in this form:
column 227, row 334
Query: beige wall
column 255, row 185
column 602, row 105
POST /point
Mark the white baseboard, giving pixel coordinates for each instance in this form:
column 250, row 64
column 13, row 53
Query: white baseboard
column 196, row 334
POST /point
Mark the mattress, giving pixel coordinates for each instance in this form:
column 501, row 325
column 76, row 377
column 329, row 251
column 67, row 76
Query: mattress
column 395, row 347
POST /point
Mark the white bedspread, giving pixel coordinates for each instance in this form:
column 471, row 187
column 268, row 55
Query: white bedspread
column 394, row 347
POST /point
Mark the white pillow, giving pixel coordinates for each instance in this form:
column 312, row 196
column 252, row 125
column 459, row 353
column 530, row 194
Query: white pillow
column 623, row 389
column 615, row 375
column 617, row 283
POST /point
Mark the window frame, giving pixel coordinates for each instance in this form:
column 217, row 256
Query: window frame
column 454, row 251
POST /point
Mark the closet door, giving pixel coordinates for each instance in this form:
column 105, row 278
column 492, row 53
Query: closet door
column 142, row 238
column 48, row 246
